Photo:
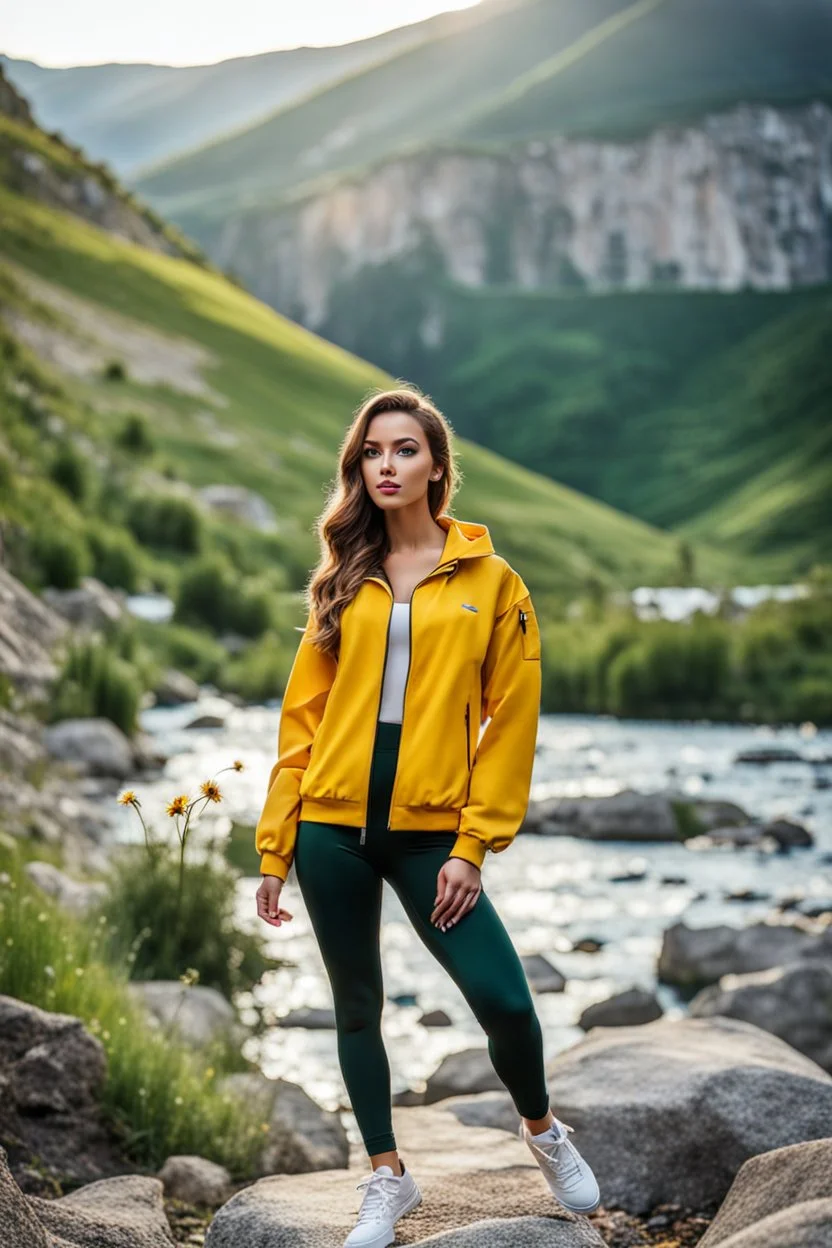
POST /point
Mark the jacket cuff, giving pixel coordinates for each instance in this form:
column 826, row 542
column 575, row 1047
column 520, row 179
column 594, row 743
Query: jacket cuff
column 469, row 847
column 273, row 864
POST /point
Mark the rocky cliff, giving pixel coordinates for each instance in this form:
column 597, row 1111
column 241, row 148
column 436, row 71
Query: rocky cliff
column 741, row 199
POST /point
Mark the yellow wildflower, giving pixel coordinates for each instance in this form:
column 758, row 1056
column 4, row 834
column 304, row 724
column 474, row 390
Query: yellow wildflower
column 128, row 798
column 238, row 765
column 179, row 805
column 211, row 789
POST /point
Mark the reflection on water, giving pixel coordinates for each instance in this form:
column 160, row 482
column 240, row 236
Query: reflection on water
column 550, row 891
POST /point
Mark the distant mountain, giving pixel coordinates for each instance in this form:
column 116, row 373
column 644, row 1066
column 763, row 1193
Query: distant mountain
column 567, row 67
column 132, row 115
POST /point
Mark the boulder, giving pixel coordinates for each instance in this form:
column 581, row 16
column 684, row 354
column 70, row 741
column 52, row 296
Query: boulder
column 175, row 688
column 51, row 1074
column 95, row 745
column 435, row 1018
column 469, row 1070
column 762, row 755
column 475, row 1182
column 313, row 1017
column 302, row 1135
column 696, row 956
column 29, row 631
column 122, row 1212
column 625, row 1009
column 197, row 1013
column 780, row 1197
column 74, row 895
column 93, row 606
column 793, row 1002
column 195, row 1180
column 700, row 1095
column 542, row 976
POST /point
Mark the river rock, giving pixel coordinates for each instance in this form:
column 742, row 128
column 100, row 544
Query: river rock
column 624, row 816
column 95, row 745
column 629, row 1008
column 486, row 1109
column 681, row 1085
column 302, row 1135
column 469, row 1070
column 197, row 1013
column 475, row 1182
column 316, row 1018
column 207, row 721
column 776, row 1191
column 436, row 1018
column 195, row 1180
column 696, row 956
column 175, row 688
column 789, row 834
column 542, row 976
column 74, row 895
column 21, row 746
column 793, row 1002
column 762, row 755
column 122, row 1212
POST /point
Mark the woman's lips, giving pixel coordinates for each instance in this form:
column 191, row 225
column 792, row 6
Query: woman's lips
column 388, row 488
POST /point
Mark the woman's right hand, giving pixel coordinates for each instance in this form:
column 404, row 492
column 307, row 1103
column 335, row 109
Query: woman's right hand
column 268, row 901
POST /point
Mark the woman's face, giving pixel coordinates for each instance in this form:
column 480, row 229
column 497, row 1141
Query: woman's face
column 396, row 453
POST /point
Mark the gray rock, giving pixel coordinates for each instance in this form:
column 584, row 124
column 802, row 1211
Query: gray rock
column 95, row 745
column 542, row 976
column 302, row 1135
column 625, row 816
column 313, row 1017
column 629, row 1008
column 29, row 631
column 701, row 955
column 487, row 1109
column 242, row 503
column 207, row 721
column 175, row 688
column 789, row 834
column 21, row 746
column 512, row 1232
column 92, row 606
column 807, row 1225
column 681, row 1085
column 74, row 895
column 469, row 1070
column 762, row 755
column 195, row 1180
column 122, row 1212
column 782, row 1179
column 196, row 1013
column 436, row 1018
column 793, row 1002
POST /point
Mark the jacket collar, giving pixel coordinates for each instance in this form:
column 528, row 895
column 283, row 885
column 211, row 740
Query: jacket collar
column 465, row 539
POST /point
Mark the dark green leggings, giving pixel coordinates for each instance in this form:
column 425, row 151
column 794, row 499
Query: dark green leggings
column 341, row 884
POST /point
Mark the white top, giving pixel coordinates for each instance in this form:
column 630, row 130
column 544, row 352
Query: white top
column 395, row 669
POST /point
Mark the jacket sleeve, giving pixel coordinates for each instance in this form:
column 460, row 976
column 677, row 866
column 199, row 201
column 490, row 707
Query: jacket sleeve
column 304, row 699
column 501, row 775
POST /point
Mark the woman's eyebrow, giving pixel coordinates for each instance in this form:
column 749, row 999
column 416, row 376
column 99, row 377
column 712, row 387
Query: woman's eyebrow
column 396, row 441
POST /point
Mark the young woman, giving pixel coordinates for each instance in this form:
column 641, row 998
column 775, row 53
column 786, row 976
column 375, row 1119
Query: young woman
column 417, row 633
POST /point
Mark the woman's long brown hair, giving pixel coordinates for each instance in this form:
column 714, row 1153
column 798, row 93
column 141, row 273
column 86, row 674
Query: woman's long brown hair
column 351, row 528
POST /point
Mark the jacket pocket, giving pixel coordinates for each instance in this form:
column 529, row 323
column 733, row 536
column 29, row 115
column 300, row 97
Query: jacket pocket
column 529, row 630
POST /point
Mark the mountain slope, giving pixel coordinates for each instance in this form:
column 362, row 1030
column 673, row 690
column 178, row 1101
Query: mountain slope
column 133, row 114
column 594, row 67
column 236, row 394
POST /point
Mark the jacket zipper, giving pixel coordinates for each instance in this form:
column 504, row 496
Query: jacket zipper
column 362, row 839
column 522, row 619
column 468, row 733
column 433, row 572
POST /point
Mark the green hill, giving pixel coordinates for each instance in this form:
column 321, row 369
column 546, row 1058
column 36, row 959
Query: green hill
column 710, row 410
column 100, row 330
column 587, row 67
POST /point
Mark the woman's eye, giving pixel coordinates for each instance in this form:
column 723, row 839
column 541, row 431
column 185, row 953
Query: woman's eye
column 371, row 450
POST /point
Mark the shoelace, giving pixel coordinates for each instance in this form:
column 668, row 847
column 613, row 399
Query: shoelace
column 381, row 1188
column 552, row 1153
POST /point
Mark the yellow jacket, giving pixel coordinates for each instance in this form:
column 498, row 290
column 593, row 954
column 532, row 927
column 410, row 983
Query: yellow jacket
column 475, row 656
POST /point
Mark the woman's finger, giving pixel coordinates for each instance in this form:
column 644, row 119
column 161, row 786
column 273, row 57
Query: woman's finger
column 467, row 903
column 445, row 906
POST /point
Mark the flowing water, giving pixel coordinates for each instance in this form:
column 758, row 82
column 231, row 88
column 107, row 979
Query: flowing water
column 550, row 891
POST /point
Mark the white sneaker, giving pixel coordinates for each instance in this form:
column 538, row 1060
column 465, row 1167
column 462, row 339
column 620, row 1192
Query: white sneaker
column 569, row 1176
column 388, row 1197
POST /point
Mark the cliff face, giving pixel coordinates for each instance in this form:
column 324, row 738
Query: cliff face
column 742, row 199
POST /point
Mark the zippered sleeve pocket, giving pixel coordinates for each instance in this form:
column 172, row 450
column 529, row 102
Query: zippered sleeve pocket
column 529, row 630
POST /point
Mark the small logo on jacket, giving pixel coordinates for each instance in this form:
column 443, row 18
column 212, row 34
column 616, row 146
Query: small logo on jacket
column 469, row 606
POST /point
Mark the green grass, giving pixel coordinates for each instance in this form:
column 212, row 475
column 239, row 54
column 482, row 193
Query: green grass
column 282, row 383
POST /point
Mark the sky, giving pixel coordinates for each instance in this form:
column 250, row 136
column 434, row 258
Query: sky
column 195, row 32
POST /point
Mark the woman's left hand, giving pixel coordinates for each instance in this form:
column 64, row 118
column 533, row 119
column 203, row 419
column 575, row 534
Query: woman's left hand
column 458, row 886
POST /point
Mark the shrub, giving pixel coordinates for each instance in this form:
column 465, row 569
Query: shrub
column 135, row 435
column 116, row 557
column 96, row 682
column 211, row 593
column 166, row 521
column 71, row 472
column 57, row 556
column 115, row 370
